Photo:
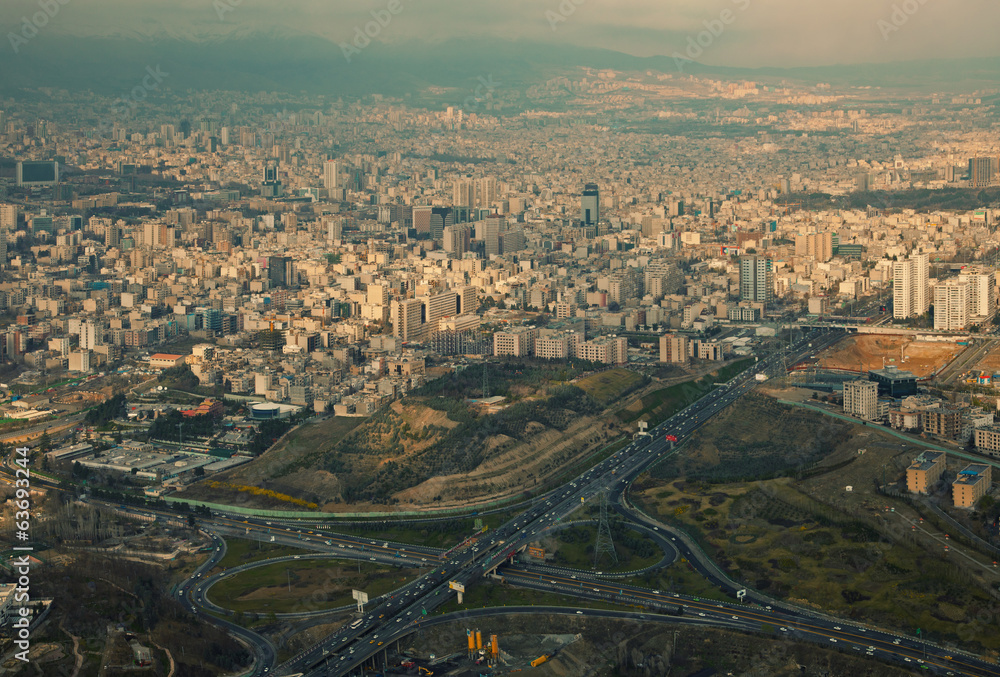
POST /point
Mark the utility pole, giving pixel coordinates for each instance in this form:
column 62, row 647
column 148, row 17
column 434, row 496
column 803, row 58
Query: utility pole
column 604, row 543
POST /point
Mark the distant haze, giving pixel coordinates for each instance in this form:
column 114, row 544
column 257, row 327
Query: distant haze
column 780, row 33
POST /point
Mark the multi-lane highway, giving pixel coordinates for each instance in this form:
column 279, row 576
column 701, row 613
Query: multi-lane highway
column 400, row 613
column 351, row 645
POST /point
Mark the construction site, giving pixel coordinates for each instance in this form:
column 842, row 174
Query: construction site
column 863, row 352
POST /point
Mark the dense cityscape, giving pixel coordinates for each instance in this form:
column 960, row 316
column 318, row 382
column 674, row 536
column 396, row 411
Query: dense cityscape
column 628, row 369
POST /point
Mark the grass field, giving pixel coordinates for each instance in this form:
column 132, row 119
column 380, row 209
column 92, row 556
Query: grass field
column 777, row 537
column 607, row 385
column 495, row 594
column 306, row 585
column 574, row 548
column 241, row 551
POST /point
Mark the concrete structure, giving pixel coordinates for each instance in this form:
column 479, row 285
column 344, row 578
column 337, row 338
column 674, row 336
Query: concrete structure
column 909, row 287
column 987, row 440
column 894, row 382
column 674, row 349
column 952, row 305
column 517, row 342
column 165, row 361
column 757, row 279
column 925, row 471
column 861, row 399
column 972, row 484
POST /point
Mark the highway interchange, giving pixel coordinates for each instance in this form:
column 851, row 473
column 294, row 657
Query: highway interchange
column 389, row 619
column 400, row 613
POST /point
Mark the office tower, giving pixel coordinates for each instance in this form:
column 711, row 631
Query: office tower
column 512, row 240
column 951, row 305
column 422, row 219
column 494, row 228
column 590, row 204
column 331, row 174
column 861, row 399
column 981, row 171
column 280, row 271
column 440, row 217
column 909, row 287
column 982, row 292
column 270, row 184
column 756, row 279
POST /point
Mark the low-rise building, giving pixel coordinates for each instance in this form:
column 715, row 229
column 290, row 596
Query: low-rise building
column 971, row 484
column 925, row 471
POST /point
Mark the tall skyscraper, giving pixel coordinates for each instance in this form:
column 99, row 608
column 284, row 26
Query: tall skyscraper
column 331, row 174
column 757, row 279
column 590, row 204
column 494, row 229
column 909, row 287
column 456, row 240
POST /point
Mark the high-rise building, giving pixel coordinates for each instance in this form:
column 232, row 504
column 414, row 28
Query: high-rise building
column 331, row 174
column 280, row 271
column 438, row 307
column 756, row 279
column 861, row 399
column 464, row 193
column 408, row 320
column 590, row 204
column 909, row 287
column 495, row 226
column 952, row 305
column 982, row 292
column 440, row 218
column 981, row 171
column 456, row 240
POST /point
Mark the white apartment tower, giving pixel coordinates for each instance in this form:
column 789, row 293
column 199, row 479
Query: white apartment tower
column 861, row 399
column 910, row 296
column 952, row 305
column 331, row 174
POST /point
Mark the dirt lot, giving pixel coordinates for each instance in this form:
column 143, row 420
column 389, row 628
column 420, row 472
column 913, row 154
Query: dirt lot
column 990, row 363
column 866, row 351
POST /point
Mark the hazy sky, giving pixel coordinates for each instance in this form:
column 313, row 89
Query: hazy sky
column 758, row 32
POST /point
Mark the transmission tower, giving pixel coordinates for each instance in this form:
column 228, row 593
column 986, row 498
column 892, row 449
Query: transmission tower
column 604, row 543
column 486, row 381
